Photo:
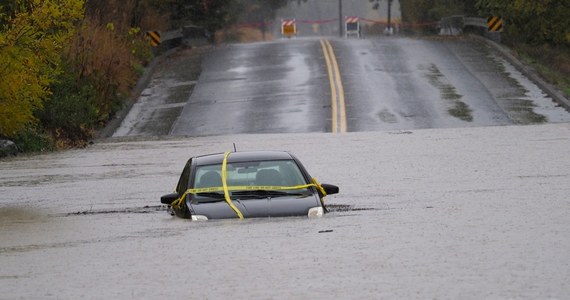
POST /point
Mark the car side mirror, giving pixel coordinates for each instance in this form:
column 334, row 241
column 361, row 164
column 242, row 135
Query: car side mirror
column 330, row 189
column 168, row 199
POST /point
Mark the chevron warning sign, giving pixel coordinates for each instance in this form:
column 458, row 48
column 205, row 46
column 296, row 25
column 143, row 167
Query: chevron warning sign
column 154, row 37
column 494, row 24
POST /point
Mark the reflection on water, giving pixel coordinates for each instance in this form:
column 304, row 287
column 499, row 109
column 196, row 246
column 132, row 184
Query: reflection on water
column 14, row 214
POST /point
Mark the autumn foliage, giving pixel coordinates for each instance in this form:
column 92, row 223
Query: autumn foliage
column 103, row 57
column 66, row 66
column 31, row 41
column 532, row 22
column 525, row 21
column 65, row 71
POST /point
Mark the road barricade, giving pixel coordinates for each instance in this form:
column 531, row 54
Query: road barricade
column 351, row 27
column 288, row 28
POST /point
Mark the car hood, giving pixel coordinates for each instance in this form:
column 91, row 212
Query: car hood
column 256, row 208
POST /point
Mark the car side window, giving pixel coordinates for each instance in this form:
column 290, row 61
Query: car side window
column 291, row 173
column 184, row 178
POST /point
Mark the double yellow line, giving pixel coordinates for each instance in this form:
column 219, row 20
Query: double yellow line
column 337, row 91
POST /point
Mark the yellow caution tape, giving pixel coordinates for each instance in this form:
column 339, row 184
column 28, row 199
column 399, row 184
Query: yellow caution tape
column 249, row 188
column 318, row 186
column 176, row 203
column 225, row 186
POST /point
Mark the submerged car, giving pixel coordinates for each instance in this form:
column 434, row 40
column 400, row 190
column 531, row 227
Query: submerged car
column 249, row 184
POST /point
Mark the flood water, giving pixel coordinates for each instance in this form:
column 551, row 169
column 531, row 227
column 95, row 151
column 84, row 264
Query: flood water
column 447, row 213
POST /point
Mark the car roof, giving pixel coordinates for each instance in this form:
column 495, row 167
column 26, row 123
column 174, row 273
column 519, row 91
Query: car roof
column 212, row 159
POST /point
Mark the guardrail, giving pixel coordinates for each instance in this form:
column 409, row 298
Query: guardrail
column 455, row 25
column 190, row 35
column 477, row 22
column 452, row 25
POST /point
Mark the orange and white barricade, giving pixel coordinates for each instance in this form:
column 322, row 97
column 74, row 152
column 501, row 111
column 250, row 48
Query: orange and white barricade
column 351, row 27
column 288, row 28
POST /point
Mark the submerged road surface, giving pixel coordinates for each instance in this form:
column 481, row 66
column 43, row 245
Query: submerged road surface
column 461, row 213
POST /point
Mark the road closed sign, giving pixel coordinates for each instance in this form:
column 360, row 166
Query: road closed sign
column 352, row 27
column 288, row 27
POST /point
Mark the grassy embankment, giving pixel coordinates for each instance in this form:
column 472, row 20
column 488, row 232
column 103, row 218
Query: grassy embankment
column 551, row 63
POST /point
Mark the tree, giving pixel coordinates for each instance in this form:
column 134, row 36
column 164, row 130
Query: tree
column 531, row 21
column 31, row 40
column 418, row 11
column 100, row 55
column 216, row 14
column 261, row 11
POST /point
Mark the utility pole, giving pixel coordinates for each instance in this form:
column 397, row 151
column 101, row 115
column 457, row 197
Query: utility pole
column 340, row 23
column 389, row 16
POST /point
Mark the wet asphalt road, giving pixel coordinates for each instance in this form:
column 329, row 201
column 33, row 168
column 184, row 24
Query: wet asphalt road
column 373, row 84
column 389, row 83
column 258, row 88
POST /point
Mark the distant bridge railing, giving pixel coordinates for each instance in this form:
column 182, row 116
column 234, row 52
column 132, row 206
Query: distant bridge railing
column 455, row 25
column 187, row 35
column 477, row 22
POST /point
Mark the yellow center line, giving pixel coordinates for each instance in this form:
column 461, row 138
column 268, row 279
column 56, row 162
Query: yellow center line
column 337, row 90
column 332, row 85
column 340, row 90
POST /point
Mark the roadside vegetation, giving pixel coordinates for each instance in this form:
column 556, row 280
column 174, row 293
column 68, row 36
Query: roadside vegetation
column 67, row 66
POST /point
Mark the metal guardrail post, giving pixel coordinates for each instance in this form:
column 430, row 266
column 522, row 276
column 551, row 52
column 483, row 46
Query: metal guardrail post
column 449, row 26
column 452, row 25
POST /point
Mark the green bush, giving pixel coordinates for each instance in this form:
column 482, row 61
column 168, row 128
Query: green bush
column 34, row 139
column 140, row 46
column 139, row 70
column 70, row 110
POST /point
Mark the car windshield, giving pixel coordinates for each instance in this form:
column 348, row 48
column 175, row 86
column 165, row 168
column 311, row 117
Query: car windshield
column 255, row 179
